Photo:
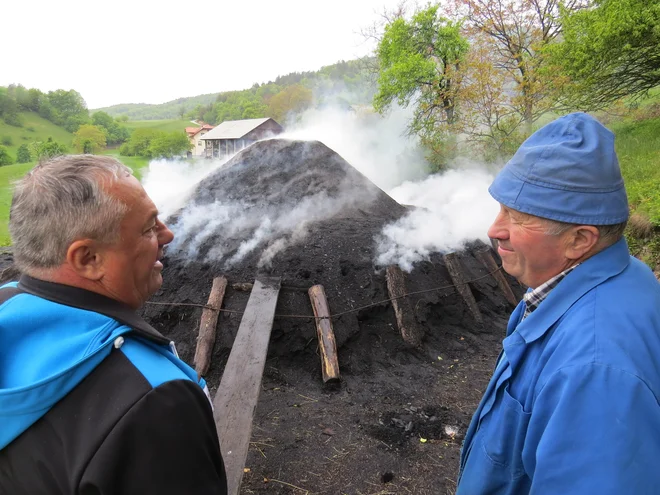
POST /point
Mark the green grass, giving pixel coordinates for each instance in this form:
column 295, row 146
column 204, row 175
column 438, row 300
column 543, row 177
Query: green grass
column 136, row 163
column 8, row 174
column 42, row 130
column 638, row 149
column 160, row 125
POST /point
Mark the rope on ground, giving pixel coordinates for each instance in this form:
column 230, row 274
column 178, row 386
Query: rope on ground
column 336, row 315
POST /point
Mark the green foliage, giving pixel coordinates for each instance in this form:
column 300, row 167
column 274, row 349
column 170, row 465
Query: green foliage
column 638, row 149
column 115, row 132
column 48, row 149
column 419, row 61
column 169, row 144
column 153, row 143
column 139, row 143
column 89, row 139
column 6, row 141
column 23, row 154
column 5, row 157
column 68, row 109
column 609, row 51
column 292, row 99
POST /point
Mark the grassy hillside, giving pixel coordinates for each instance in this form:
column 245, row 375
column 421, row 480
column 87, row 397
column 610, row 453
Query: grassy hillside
column 34, row 128
column 161, row 111
column 638, row 149
column 8, row 174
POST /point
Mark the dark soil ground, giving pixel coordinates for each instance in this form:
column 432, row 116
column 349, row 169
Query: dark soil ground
column 396, row 421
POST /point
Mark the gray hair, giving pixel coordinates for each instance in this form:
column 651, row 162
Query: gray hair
column 62, row 200
column 609, row 234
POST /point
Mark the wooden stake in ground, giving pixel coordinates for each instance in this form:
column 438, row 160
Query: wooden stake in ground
column 327, row 343
column 236, row 399
column 411, row 332
column 456, row 273
column 486, row 258
column 207, row 327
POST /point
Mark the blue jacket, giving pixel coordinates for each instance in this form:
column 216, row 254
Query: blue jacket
column 572, row 408
column 94, row 400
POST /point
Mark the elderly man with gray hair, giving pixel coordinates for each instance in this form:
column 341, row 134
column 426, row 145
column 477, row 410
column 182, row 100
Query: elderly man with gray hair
column 573, row 404
column 93, row 400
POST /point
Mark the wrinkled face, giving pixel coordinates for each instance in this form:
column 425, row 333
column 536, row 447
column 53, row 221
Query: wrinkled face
column 528, row 253
column 132, row 264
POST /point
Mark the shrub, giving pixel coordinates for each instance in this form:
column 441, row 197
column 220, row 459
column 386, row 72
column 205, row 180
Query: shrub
column 5, row 157
column 23, row 154
column 6, row 141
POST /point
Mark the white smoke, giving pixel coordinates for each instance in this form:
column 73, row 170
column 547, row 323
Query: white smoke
column 277, row 227
column 452, row 208
column 169, row 183
column 378, row 146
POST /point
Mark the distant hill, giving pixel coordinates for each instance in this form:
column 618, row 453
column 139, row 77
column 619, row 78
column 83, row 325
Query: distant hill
column 35, row 128
column 346, row 82
column 169, row 110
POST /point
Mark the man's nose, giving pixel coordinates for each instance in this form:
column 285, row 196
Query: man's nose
column 498, row 230
column 165, row 235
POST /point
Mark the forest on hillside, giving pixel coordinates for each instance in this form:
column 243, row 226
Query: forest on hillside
column 345, row 83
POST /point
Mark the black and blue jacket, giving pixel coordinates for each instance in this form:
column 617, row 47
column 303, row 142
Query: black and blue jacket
column 93, row 400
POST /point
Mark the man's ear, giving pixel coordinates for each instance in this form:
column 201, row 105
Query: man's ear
column 86, row 259
column 581, row 241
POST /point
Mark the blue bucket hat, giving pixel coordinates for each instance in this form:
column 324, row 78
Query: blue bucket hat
column 566, row 171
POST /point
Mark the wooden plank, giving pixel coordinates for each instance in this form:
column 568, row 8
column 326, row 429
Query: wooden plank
column 486, row 258
column 238, row 393
column 326, row 336
column 207, row 327
column 456, row 273
column 411, row 332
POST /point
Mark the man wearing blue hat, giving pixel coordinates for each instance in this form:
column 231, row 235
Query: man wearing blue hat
column 573, row 404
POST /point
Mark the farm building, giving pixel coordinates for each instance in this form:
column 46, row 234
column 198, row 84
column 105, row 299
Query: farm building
column 233, row 135
column 194, row 135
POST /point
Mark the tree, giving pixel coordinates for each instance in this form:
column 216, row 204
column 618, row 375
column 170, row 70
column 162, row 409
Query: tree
column 89, row 139
column 169, row 144
column 138, row 144
column 292, row 99
column 49, row 149
column 609, row 51
column 23, row 154
column 420, row 64
column 519, row 31
column 115, row 133
column 69, row 109
column 9, row 110
column 5, row 157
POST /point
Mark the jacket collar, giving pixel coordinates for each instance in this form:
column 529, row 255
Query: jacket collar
column 589, row 274
column 90, row 301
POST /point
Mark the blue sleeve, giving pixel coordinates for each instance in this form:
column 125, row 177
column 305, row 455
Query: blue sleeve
column 594, row 429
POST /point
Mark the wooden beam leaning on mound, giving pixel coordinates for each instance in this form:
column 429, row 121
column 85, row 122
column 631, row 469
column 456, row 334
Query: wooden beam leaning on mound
column 411, row 332
column 236, row 399
column 207, row 327
column 326, row 336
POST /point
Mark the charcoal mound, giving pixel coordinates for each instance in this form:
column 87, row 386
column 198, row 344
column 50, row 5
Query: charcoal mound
column 322, row 217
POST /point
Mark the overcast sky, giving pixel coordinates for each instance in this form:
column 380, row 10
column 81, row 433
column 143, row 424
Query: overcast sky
column 153, row 51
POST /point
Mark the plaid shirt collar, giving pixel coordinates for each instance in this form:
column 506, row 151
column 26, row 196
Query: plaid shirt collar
column 534, row 298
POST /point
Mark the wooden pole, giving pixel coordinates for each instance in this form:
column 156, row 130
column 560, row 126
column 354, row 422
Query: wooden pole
column 486, row 258
column 326, row 336
column 456, row 273
column 207, row 327
column 411, row 332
